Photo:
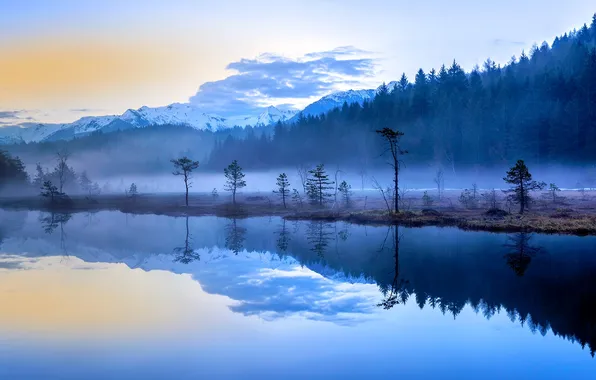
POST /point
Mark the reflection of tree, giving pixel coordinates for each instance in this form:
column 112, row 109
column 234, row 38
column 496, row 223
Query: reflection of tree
column 53, row 220
column 318, row 235
column 283, row 239
column 521, row 252
column 186, row 254
column 398, row 291
column 235, row 236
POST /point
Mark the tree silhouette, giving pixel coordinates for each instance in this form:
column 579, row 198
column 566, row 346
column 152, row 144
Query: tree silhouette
column 283, row 187
column 234, row 179
column 392, row 139
column 519, row 176
column 318, row 185
column 184, row 167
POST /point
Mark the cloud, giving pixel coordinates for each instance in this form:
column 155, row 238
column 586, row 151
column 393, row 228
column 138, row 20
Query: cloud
column 271, row 78
column 500, row 42
column 9, row 117
column 85, row 110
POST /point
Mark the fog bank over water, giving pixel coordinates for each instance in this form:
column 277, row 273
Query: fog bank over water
column 411, row 178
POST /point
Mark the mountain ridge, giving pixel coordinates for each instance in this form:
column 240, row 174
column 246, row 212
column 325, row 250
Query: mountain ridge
column 183, row 114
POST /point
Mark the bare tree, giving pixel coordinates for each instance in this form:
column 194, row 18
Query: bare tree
column 377, row 186
column 440, row 182
column 62, row 168
column 392, row 138
column 303, row 174
column 184, row 167
column 362, row 174
column 337, row 171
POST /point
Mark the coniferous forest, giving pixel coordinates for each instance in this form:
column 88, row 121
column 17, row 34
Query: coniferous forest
column 540, row 107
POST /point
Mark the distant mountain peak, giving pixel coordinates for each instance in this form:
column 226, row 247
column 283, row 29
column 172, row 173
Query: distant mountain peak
column 183, row 114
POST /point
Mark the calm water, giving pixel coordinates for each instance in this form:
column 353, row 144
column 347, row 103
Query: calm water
column 106, row 295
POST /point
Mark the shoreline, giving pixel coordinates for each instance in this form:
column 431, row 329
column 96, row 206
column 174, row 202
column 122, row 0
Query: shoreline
column 561, row 221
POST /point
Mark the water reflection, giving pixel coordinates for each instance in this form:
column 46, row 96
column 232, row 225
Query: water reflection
column 186, row 254
column 51, row 221
column 521, row 252
column 397, row 291
column 283, row 238
column 319, row 234
column 235, row 236
column 340, row 273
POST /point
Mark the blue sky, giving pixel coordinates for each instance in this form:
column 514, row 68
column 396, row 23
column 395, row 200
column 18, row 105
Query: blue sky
column 66, row 59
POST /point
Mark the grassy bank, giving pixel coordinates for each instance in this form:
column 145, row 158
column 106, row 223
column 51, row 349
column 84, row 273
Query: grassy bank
column 551, row 220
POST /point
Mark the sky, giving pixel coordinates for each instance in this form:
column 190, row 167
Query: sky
column 66, row 59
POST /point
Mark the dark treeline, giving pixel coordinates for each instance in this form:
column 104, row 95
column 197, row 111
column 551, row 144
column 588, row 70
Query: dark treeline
column 12, row 172
column 136, row 151
column 540, row 107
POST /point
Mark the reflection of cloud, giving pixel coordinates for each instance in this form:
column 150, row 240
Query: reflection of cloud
column 290, row 290
column 271, row 77
column 12, row 262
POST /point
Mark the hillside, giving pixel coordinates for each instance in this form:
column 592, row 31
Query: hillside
column 540, row 107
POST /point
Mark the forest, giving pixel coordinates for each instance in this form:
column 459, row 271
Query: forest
column 540, row 107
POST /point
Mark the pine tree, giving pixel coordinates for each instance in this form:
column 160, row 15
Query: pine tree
column 49, row 191
column 133, row 191
column 519, row 176
column 283, row 187
column 85, row 183
column 296, row 197
column 40, row 176
column 318, row 185
column 392, row 139
column 346, row 192
column 234, row 179
column 184, row 167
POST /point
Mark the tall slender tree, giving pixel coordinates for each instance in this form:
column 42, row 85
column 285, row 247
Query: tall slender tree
column 283, row 188
column 392, row 139
column 234, row 179
column 184, row 167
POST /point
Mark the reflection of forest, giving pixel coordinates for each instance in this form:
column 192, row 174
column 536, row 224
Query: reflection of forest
column 541, row 281
column 491, row 273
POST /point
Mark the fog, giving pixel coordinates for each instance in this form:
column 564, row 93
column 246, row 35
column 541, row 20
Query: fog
column 411, row 179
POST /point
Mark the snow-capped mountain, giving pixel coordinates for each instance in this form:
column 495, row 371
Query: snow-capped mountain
column 183, row 114
column 337, row 99
column 174, row 114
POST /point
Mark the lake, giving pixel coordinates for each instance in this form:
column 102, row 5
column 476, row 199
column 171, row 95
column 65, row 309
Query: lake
column 110, row 295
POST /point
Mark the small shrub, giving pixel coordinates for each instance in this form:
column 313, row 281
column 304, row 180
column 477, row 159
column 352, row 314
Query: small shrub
column 467, row 199
column 430, row 212
column 496, row 213
column 427, row 200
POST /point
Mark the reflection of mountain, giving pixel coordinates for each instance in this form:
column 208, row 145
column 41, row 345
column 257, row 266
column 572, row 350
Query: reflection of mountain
column 443, row 268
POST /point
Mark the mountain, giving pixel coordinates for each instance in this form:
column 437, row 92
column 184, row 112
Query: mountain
column 173, row 114
column 183, row 114
column 337, row 99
